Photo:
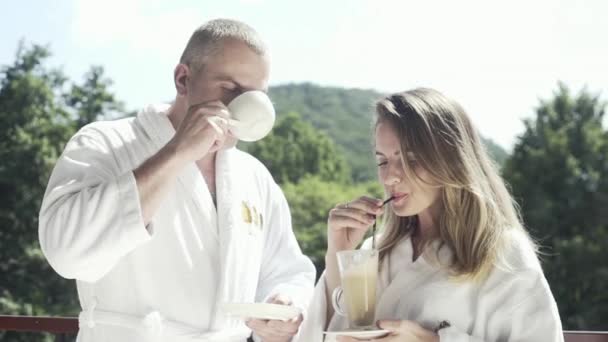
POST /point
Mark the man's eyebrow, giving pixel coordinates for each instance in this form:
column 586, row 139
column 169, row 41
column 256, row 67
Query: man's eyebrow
column 239, row 85
column 230, row 79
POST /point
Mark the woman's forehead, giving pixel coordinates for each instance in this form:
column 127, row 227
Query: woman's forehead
column 388, row 142
column 386, row 136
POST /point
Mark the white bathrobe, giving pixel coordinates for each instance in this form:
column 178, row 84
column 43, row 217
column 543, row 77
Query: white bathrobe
column 166, row 281
column 513, row 304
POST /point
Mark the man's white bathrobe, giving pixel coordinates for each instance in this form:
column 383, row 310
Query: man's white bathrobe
column 165, row 282
column 513, row 304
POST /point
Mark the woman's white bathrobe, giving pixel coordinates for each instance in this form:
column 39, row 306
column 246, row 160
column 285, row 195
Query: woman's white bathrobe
column 166, row 282
column 510, row 305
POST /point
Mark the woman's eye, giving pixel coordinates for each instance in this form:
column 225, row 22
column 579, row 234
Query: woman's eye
column 382, row 163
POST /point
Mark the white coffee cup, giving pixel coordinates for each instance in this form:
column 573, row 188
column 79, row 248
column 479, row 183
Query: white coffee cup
column 252, row 115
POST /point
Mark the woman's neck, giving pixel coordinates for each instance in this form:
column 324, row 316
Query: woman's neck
column 426, row 231
column 427, row 227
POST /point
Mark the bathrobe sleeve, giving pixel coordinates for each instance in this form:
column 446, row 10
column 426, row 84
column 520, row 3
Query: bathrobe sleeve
column 90, row 216
column 518, row 310
column 316, row 315
column 284, row 270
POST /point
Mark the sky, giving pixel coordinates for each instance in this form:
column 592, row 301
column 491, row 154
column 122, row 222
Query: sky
column 498, row 59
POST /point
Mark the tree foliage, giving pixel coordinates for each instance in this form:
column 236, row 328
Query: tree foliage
column 310, row 201
column 559, row 175
column 295, row 149
column 344, row 115
column 35, row 123
column 558, row 172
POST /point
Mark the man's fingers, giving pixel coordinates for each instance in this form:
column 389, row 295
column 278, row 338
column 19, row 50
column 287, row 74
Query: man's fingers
column 218, row 120
column 297, row 319
column 218, row 124
column 213, row 105
column 276, row 329
column 280, row 299
column 272, row 329
column 283, row 327
column 255, row 323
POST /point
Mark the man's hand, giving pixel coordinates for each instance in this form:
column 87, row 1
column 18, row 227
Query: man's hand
column 204, row 126
column 276, row 330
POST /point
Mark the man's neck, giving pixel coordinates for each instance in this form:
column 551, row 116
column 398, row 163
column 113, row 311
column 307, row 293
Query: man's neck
column 207, row 164
column 177, row 112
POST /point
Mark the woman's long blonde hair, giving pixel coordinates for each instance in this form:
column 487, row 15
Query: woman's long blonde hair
column 476, row 209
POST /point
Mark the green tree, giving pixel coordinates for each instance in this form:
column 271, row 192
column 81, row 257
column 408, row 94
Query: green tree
column 310, row 201
column 345, row 115
column 559, row 175
column 92, row 100
column 295, row 149
column 35, row 124
column 496, row 151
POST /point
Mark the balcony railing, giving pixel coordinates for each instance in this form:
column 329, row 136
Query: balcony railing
column 63, row 327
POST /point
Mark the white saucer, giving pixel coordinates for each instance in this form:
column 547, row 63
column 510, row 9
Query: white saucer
column 261, row 311
column 358, row 333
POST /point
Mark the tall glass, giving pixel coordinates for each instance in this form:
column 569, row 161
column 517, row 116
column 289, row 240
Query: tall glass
column 358, row 275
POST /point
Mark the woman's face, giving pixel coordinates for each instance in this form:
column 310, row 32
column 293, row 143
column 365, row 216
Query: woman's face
column 412, row 197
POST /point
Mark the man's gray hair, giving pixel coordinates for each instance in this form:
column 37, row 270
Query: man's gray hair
column 206, row 40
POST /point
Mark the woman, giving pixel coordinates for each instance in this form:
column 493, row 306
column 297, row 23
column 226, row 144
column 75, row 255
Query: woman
column 455, row 263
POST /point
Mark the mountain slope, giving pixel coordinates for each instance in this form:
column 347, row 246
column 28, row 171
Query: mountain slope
column 345, row 115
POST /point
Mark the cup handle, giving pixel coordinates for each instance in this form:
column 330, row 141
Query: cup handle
column 229, row 122
column 233, row 122
column 335, row 300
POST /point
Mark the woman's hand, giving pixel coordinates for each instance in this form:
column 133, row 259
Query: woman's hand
column 400, row 331
column 348, row 223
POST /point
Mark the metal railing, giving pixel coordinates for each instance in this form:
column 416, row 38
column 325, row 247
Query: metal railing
column 63, row 327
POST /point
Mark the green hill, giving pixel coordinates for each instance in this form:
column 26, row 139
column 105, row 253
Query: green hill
column 344, row 115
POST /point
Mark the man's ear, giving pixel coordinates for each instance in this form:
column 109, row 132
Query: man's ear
column 180, row 78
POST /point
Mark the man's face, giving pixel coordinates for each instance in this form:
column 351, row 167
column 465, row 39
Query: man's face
column 233, row 69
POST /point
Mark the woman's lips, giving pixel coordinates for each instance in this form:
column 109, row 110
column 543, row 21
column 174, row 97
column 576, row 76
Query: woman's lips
column 399, row 197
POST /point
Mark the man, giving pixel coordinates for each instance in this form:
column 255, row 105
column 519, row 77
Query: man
column 161, row 220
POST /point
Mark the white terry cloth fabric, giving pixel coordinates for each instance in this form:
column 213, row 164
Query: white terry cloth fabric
column 190, row 258
column 513, row 304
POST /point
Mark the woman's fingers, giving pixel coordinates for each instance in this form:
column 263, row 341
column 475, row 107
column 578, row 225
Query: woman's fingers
column 342, row 220
column 369, row 205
